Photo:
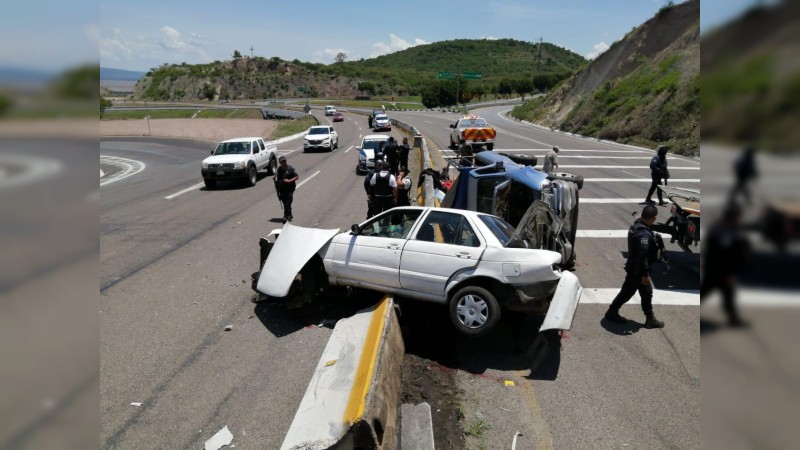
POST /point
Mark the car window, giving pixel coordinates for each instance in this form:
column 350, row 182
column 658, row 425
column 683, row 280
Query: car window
column 372, row 145
column 503, row 231
column 447, row 228
column 261, row 144
column 394, row 224
column 318, row 131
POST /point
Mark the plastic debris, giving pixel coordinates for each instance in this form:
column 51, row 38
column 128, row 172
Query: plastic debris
column 136, row 403
column 479, row 415
column 508, row 383
column 330, row 363
column 221, row 439
column 514, row 442
column 228, row 327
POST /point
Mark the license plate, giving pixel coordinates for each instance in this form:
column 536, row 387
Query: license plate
column 220, row 172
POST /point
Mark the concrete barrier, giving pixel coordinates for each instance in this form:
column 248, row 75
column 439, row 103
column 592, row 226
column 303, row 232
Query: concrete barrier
column 353, row 398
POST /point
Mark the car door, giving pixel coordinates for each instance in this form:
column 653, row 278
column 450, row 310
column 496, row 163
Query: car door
column 372, row 256
column 334, row 138
column 444, row 243
column 258, row 154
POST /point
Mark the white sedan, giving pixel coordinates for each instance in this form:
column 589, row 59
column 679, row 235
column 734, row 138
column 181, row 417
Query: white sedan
column 472, row 262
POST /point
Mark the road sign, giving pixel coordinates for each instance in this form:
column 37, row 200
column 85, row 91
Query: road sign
column 472, row 75
column 446, row 75
column 307, row 108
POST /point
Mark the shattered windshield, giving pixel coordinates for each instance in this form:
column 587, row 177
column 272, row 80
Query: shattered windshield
column 504, row 232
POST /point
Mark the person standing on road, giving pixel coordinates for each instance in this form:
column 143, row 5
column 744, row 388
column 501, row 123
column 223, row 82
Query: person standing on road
column 658, row 170
column 403, row 187
column 551, row 160
column 384, row 189
column 465, row 153
column 368, row 190
column 391, row 152
column 724, row 254
column 370, row 119
column 745, row 170
column 405, row 149
column 642, row 253
column 286, row 182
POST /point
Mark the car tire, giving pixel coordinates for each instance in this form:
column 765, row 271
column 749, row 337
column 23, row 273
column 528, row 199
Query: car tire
column 272, row 166
column 252, row 175
column 474, row 311
column 210, row 184
column 490, row 147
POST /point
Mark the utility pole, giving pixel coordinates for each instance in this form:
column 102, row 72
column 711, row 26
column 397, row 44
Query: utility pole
column 251, row 51
column 539, row 56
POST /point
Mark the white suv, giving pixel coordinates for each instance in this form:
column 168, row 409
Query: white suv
column 330, row 110
column 321, row 136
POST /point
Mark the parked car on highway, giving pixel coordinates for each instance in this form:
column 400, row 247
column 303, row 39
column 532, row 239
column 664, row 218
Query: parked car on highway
column 381, row 123
column 473, row 263
column 330, row 110
column 239, row 159
column 475, row 132
column 366, row 151
column 338, row 117
column 321, row 136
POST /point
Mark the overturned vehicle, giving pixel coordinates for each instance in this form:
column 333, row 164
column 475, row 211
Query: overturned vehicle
column 473, row 263
column 544, row 205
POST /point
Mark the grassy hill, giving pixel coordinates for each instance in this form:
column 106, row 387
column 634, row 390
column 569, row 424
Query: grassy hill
column 645, row 89
column 406, row 72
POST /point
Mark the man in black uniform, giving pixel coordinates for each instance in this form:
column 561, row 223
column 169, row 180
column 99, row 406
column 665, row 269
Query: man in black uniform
column 642, row 252
column 384, row 189
column 286, row 182
column 658, row 170
column 405, row 149
column 392, row 154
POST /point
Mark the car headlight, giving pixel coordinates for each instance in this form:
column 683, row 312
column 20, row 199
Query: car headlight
column 238, row 165
column 205, row 165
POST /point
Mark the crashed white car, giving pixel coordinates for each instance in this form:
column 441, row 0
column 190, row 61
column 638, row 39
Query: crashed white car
column 472, row 262
column 366, row 152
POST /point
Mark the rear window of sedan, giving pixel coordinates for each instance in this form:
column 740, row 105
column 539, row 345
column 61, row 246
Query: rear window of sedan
column 372, row 144
column 503, row 231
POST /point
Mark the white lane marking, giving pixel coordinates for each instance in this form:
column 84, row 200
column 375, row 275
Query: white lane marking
column 428, row 121
column 639, row 180
column 604, row 296
column 759, row 298
column 349, row 148
column 129, row 167
column 573, row 166
column 585, row 200
column 307, row 179
column 190, row 188
column 629, row 173
column 29, row 169
column 285, row 153
column 519, row 136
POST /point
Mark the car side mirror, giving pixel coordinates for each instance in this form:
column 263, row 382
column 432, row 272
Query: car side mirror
column 212, row 152
column 452, row 125
column 355, row 229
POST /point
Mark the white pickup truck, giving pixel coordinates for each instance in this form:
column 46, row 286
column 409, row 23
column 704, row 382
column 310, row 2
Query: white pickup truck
column 239, row 159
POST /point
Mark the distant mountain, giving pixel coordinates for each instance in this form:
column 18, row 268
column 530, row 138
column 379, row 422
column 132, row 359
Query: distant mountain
column 406, row 72
column 645, row 89
column 107, row 73
column 18, row 74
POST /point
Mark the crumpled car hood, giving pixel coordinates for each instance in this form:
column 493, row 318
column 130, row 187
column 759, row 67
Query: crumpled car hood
column 294, row 247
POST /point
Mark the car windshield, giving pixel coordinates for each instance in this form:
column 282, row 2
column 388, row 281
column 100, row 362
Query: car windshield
column 381, row 118
column 233, row 148
column 394, row 224
column 372, row 145
column 318, row 131
column 503, row 231
column 472, row 123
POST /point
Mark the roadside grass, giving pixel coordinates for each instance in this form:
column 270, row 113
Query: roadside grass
column 477, row 429
column 288, row 127
column 400, row 102
column 459, row 412
column 230, row 114
column 153, row 114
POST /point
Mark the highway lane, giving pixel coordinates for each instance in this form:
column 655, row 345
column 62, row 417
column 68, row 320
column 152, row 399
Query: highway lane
column 174, row 272
column 615, row 385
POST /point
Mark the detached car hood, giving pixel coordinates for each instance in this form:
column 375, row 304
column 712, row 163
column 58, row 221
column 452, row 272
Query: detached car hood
column 226, row 159
column 294, row 247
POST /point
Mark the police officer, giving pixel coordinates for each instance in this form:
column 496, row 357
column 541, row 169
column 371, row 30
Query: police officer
column 642, row 253
column 286, row 182
column 368, row 190
column 384, row 189
column 551, row 160
column 392, row 154
column 658, row 170
column 405, row 149
column 403, row 187
column 465, row 152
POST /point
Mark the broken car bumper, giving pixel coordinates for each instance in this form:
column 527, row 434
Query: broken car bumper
column 564, row 303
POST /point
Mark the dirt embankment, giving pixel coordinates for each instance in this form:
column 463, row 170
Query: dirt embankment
column 203, row 129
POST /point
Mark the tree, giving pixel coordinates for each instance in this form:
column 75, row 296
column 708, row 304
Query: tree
column 340, row 57
column 367, row 86
column 506, row 87
column 236, row 54
column 522, row 87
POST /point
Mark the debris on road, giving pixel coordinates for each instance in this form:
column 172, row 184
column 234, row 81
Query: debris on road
column 330, row 363
column 221, row 439
column 228, row 327
column 508, row 383
column 514, row 442
column 136, row 404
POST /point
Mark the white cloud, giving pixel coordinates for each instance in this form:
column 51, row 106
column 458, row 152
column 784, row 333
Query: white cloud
column 489, row 38
column 166, row 46
column 328, row 55
column 599, row 48
column 171, row 38
column 395, row 44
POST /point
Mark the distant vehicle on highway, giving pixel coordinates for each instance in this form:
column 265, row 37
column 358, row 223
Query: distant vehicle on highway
column 239, row 159
column 473, row 263
column 366, row 151
column 321, row 136
column 475, row 132
column 330, row 110
column 381, row 123
column 338, row 117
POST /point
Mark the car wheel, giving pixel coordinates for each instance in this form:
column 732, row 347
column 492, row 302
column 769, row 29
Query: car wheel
column 210, row 184
column 272, row 166
column 474, row 311
column 252, row 176
column 490, row 147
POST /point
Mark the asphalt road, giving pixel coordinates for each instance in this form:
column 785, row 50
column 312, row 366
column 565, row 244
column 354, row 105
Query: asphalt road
column 174, row 272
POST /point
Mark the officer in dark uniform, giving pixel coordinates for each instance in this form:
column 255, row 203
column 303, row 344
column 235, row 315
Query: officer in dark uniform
column 658, row 170
column 286, row 182
column 405, row 149
column 384, row 189
column 368, row 190
column 392, row 154
column 642, row 253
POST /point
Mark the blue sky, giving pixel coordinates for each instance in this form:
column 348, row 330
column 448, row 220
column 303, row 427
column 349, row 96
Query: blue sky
column 140, row 34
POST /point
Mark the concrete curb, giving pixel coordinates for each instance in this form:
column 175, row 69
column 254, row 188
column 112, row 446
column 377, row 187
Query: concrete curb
column 352, row 400
column 416, row 432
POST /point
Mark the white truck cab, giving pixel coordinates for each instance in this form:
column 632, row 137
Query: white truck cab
column 239, row 159
column 330, row 110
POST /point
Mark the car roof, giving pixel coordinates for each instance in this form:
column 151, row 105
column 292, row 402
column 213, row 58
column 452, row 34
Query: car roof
column 320, row 126
column 376, row 137
column 381, row 115
column 242, row 139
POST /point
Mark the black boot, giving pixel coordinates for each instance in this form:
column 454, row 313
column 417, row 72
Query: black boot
column 612, row 315
column 652, row 322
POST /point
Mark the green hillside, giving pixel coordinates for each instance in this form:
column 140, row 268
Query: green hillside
column 408, row 72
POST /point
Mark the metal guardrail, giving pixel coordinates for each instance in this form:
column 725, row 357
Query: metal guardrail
column 269, row 113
